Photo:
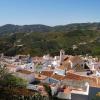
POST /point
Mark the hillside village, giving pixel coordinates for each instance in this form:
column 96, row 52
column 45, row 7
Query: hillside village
column 68, row 76
column 49, row 50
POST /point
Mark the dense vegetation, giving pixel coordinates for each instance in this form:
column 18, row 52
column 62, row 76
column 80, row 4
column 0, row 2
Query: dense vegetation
column 97, row 97
column 14, row 88
column 41, row 39
column 9, row 80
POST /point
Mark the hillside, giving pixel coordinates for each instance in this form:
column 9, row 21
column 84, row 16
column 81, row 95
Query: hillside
column 9, row 28
column 79, row 38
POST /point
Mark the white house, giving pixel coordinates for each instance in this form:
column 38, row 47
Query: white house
column 26, row 75
column 26, row 66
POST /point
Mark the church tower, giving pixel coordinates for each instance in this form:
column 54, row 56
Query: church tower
column 2, row 55
column 62, row 54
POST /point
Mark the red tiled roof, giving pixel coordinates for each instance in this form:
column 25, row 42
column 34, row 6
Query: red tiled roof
column 47, row 73
column 40, row 77
column 65, row 66
column 24, row 72
column 73, row 59
column 91, row 80
column 58, row 77
column 61, row 67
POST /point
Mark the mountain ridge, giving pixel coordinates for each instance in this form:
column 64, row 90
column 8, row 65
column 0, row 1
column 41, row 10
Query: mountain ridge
column 41, row 39
column 11, row 28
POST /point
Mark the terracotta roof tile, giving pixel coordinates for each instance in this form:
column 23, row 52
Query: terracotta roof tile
column 73, row 59
column 65, row 66
column 58, row 77
column 47, row 73
column 40, row 77
column 24, row 72
column 92, row 80
column 61, row 67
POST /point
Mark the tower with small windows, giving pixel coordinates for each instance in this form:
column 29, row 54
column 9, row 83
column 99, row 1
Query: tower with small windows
column 2, row 55
column 62, row 54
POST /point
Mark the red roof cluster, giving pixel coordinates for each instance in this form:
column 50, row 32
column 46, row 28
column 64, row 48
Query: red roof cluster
column 92, row 80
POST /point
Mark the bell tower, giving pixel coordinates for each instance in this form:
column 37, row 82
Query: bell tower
column 62, row 54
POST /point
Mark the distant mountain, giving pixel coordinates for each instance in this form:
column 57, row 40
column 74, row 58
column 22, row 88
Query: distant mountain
column 41, row 39
column 9, row 28
column 76, row 26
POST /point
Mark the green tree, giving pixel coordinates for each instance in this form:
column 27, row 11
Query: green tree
column 12, row 81
column 3, row 71
column 48, row 90
column 97, row 97
column 9, row 80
